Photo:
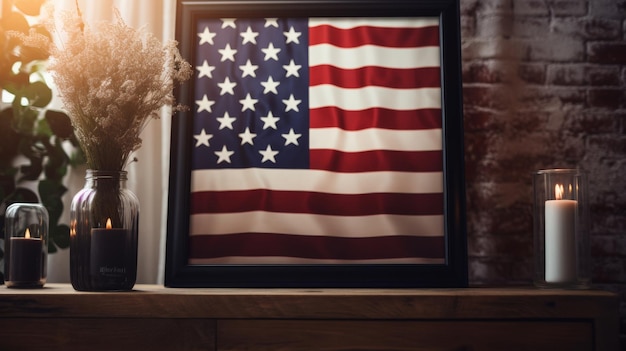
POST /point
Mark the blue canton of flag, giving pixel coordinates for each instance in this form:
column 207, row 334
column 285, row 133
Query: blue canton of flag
column 251, row 93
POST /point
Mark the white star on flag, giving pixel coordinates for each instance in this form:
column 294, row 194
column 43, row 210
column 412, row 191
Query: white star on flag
column 204, row 104
column 248, row 103
column 271, row 22
column 271, row 52
column 292, row 69
column 206, row 36
column 249, row 36
column 228, row 22
column 269, row 121
column 246, row 137
column 226, row 121
column 291, row 104
column 248, row 69
column 292, row 36
column 205, row 70
column 227, row 53
column 224, row 155
column 227, row 87
column 268, row 154
column 203, row 138
column 291, row 138
column 270, row 86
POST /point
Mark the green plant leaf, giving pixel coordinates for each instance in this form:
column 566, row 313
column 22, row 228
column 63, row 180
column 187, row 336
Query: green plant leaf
column 55, row 167
column 30, row 54
column 22, row 195
column 60, row 123
column 52, row 248
column 9, row 139
column 7, row 187
column 1, row 228
column 51, row 193
column 43, row 129
column 38, row 68
column 30, row 147
column 15, row 21
column 38, row 94
column 33, row 170
column 41, row 29
column 60, row 236
column 8, row 172
column 30, row 7
column 23, row 119
column 16, row 82
column 78, row 158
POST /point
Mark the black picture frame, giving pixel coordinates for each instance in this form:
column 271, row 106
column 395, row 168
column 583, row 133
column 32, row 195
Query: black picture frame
column 453, row 273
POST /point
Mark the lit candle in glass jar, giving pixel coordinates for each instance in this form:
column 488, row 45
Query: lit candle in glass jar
column 560, row 239
column 25, row 258
column 108, row 250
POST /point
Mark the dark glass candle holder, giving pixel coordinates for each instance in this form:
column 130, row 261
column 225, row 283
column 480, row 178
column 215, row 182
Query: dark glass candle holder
column 104, row 227
column 25, row 245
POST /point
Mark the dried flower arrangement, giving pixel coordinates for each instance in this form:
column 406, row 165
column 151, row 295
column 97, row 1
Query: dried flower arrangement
column 113, row 79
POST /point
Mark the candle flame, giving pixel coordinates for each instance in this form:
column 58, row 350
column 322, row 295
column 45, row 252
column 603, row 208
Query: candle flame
column 27, row 234
column 558, row 191
column 73, row 228
column 108, row 225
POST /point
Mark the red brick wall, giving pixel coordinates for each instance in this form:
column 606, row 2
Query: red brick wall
column 544, row 87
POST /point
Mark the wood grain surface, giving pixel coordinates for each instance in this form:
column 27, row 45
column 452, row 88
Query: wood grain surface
column 156, row 318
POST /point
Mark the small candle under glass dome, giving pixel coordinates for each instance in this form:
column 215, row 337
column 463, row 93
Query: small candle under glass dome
column 25, row 245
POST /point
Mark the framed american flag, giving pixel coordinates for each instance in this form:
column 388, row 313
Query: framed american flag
column 323, row 146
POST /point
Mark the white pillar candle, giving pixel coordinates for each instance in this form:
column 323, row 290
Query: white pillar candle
column 560, row 239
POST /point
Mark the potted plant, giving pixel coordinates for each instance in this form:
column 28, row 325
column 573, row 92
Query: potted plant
column 34, row 140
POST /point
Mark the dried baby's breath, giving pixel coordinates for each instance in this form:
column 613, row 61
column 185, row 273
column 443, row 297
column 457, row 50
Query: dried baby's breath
column 112, row 80
column 33, row 40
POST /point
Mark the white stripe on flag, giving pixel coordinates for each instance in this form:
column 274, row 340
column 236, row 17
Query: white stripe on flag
column 316, row 225
column 369, row 55
column 375, row 139
column 347, row 23
column 368, row 97
column 315, row 180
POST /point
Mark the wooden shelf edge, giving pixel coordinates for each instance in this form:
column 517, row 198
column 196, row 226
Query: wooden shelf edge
column 153, row 301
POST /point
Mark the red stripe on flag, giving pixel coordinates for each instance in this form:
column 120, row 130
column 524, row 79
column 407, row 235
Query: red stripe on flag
column 424, row 77
column 329, row 116
column 376, row 160
column 380, row 36
column 316, row 203
column 318, row 247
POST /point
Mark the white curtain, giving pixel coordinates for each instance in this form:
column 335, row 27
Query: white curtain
column 148, row 178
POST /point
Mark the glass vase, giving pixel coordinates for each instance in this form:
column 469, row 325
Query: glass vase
column 561, row 227
column 104, row 225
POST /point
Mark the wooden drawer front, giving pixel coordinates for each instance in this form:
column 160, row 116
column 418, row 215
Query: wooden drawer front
column 106, row 334
column 322, row 335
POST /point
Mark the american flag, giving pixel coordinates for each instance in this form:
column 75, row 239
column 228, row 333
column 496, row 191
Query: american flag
column 317, row 141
